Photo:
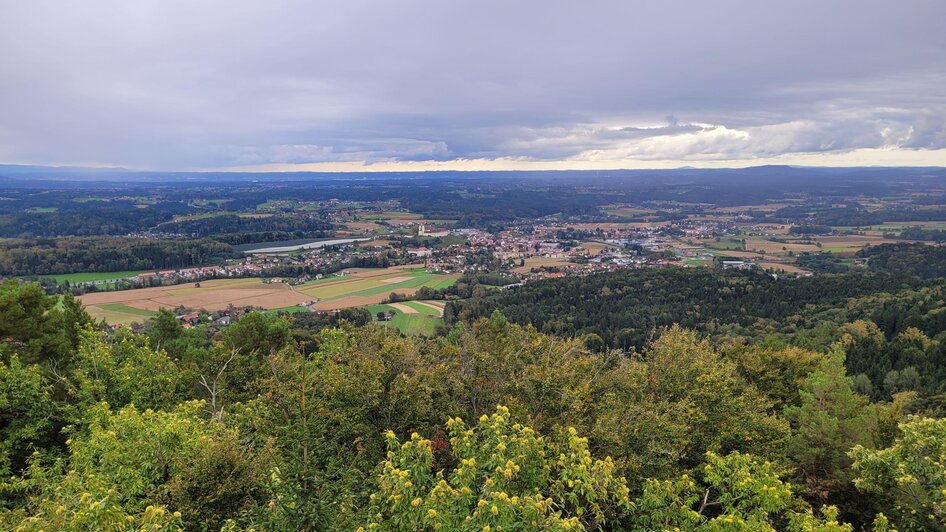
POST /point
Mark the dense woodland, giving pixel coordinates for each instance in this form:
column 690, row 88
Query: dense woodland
column 324, row 422
column 624, row 306
column 101, row 254
column 228, row 224
column 87, row 221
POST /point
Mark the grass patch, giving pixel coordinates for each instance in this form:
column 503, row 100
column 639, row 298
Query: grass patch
column 391, row 215
column 295, row 309
column 93, row 276
column 125, row 309
column 735, row 245
column 443, row 283
column 409, row 324
column 423, row 309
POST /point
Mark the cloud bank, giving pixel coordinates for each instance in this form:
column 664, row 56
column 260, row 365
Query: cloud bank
column 175, row 84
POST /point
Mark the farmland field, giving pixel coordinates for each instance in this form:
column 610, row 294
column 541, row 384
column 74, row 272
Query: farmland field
column 366, row 287
column 738, row 254
column 538, row 262
column 895, row 227
column 625, row 211
column 118, row 313
column 594, row 247
column 363, row 226
column 412, row 317
column 361, row 287
column 391, row 215
column 729, row 243
column 780, row 266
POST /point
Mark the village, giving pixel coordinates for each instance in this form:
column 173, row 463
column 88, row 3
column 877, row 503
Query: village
column 528, row 251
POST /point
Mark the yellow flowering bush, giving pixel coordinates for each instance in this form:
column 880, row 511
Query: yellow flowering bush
column 77, row 502
column 737, row 492
column 506, row 477
column 913, row 469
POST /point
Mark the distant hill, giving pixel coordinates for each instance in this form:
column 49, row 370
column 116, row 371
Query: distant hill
column 72, row 176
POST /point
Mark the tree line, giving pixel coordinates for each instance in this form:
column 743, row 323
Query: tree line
column 105, row 254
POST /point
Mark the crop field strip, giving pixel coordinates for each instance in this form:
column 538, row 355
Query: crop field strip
column 378, row 284
column 362, row 287
column 424, row 308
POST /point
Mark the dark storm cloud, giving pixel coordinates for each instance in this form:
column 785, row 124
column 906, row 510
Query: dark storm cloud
column 184, row 84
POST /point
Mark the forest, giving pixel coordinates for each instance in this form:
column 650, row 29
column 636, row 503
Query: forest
column 283, row 227
column 334, row 423
column 622, row 307
column 102, row 254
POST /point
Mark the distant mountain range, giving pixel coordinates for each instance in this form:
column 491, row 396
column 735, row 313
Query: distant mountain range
column 28, row 176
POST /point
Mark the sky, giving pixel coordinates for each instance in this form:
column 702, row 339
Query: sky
column 409, row 85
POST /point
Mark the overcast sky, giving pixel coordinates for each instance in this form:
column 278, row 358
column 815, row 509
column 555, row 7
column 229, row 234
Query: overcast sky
column 192, row 84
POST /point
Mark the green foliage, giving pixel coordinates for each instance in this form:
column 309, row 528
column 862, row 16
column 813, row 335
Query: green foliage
column 506, row 477
column 733, row 492
column 72, row 503
column 27, row 413
column 115, row 471
column 220, row 481
column 37, row 327
column 326, row 412
column 623, row 307
column 251, row 340
column 291, row 434
column 910, row 474
column 679, row 401
column 136, row 451
column 125, row 371
column 830, row 419
column 777, row 372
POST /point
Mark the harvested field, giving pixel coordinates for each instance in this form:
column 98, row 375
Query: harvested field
column 778, row 248
column 423, row 308
column 395, row 280
column 788, row 268
column 406, row 309
column 435, row 306
column 363, row 287
column 538, row 262
column 594, row 247
column 218, row 294
column 738, row 254
column 853, row 241
column 366, row 287
column 362, row 226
